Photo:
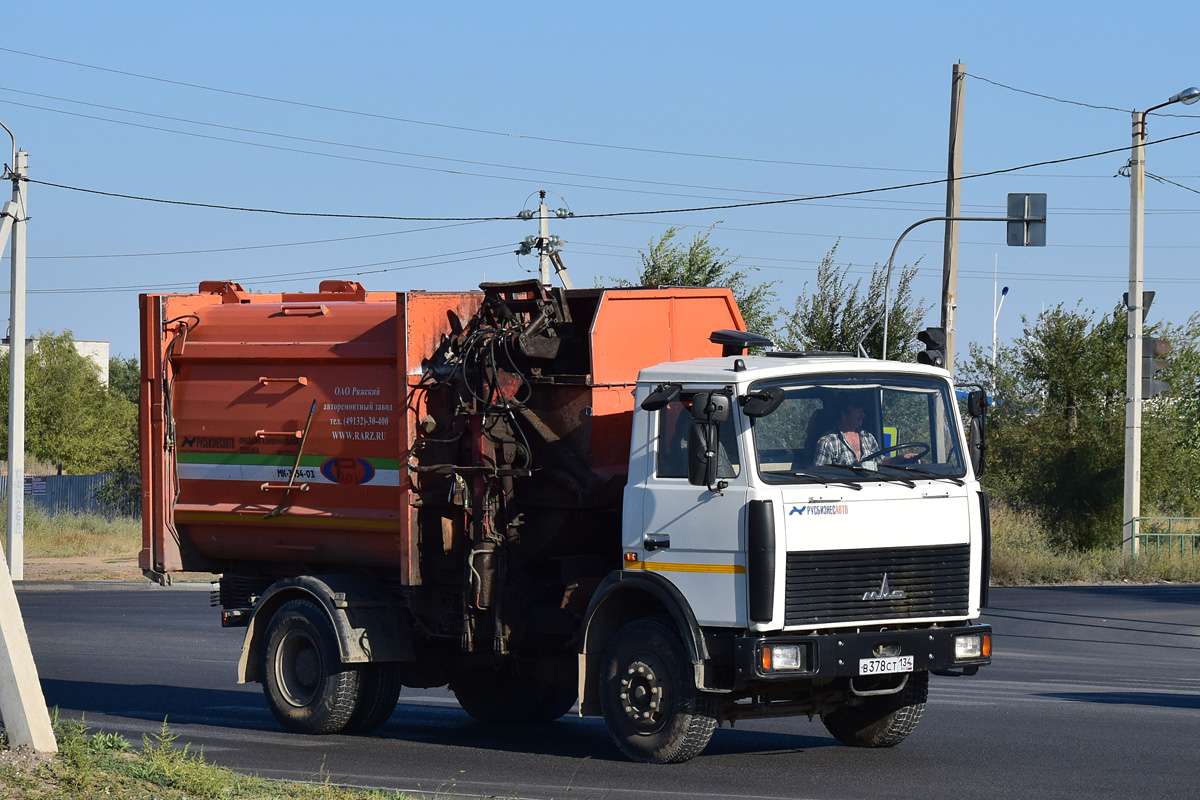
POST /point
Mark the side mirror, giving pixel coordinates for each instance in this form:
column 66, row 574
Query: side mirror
column 977, row 445
column 712, row 408
column 660, row 397
column 702, row 456
column 708, row 411
column 760, row 404
column 977, row 403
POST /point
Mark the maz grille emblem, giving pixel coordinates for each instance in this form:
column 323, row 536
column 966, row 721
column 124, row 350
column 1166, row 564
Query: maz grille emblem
column 884, row 592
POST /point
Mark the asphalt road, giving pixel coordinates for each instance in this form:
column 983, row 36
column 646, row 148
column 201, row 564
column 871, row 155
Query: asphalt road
column 1095, row 692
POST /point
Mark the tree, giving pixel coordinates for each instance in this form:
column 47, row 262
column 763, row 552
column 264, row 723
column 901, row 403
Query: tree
column 124, row 377
column 837, row 315
column 1056, row 434
column 69, row 415
column 699, row 263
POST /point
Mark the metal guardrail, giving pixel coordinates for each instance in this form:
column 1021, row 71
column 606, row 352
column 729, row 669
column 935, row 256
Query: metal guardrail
column 1169, row 535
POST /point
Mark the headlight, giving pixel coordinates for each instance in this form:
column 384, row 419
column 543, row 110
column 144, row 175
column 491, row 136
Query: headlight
column 971, row 646
column 782, row 657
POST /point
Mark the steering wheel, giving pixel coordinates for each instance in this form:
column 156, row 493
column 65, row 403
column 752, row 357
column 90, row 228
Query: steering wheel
column 923, row 449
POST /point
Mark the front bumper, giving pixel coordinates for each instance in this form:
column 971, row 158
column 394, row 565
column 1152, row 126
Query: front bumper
column 838, row 654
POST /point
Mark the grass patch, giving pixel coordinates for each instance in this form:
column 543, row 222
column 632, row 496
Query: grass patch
column 104, row 765
column 1025, row 552
column 74, row 535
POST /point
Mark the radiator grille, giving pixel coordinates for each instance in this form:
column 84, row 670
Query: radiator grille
column 829, row 586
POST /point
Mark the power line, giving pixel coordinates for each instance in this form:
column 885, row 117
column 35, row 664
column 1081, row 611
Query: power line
column 614, row 214
column 750, row 261
column 860, row 192
column 253, row 246
column 1046, row 96
column 1161, row 179
column 1072, row 102
column 356, row 270
column 444, row 126
column 361, row 160
column 366, row 148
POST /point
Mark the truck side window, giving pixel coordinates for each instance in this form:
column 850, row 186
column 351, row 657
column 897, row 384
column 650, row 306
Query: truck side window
column 673, row 423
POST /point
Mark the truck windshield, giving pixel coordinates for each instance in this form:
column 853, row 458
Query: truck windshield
column 859, row 428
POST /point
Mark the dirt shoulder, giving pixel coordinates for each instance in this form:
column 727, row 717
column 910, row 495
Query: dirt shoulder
column 96, row 568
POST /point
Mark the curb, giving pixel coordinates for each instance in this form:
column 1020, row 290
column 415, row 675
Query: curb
column 94, row 586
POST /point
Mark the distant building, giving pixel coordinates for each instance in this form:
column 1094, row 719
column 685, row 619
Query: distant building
column 96, row 352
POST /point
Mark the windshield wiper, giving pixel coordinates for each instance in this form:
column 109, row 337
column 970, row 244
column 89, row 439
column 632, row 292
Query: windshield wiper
column 927, row 473
column 899, row 478
column 796, row 473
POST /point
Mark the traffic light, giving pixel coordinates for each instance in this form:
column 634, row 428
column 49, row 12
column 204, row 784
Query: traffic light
column 934, row 354
column 1152, row 364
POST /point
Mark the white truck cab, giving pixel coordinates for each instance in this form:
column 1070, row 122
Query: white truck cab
column 813, row 529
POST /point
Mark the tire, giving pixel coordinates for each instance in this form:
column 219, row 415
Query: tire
column 308, row 688
column 652, row 709
column 511, row 697
column 379, row 691
column 558, row 700
column 883, row 721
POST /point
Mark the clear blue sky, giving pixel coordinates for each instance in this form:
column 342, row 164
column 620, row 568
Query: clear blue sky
column 467, row 110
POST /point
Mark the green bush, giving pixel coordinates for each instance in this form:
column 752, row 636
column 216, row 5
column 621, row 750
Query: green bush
column 1026, row 551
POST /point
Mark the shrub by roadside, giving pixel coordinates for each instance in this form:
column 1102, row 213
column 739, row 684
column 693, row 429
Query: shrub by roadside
column 1025, row 552
column 60, row 535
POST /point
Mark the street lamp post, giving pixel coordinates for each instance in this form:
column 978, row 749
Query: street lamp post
column 995, row 317
column 1133, row 371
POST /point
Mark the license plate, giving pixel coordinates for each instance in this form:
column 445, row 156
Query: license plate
column 885, row 666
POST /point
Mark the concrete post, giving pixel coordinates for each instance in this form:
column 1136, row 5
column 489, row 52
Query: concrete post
column 1133, row 371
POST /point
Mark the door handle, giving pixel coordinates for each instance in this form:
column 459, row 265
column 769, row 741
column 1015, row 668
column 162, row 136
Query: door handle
column 656, row 541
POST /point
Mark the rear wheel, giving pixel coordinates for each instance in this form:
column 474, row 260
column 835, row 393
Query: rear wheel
column 651, row 705
column 510, row 696
column 308, row 688
column 377, row 699
column 883, row 721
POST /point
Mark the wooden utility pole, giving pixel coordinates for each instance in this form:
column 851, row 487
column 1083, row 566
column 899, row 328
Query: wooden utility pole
column 953, row 205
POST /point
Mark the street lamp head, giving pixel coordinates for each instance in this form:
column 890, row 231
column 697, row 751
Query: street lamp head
column 1187, row 96
column 1004, row 291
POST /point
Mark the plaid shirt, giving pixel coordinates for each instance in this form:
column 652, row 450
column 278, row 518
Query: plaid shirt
column 832, row 448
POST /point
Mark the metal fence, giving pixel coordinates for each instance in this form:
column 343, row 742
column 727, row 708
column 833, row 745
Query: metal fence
column 71, row 494
column 1169, row 535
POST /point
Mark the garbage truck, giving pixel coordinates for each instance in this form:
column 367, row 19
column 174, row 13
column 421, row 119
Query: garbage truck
column 615, row 500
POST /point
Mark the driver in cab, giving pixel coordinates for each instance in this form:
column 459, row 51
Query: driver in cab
column 847, row 444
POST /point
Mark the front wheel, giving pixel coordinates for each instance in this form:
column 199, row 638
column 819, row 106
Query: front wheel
column 651, row 705
column 308, row 688
column 883, row 721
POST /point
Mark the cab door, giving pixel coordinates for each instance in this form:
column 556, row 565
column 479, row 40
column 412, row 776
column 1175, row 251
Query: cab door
column 691, row 534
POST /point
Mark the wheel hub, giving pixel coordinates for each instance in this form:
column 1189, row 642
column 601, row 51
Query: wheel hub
column 298, row 669
column 642, row 695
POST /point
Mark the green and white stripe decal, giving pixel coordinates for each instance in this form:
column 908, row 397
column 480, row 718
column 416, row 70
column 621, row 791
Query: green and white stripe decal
column 275, row 469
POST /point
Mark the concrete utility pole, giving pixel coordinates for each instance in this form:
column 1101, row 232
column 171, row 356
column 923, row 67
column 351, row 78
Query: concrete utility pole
column 953, row 207
column 547, row 245
column 544, row 234
column 15, row 548
column 22, row 704
column 1133, row 370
